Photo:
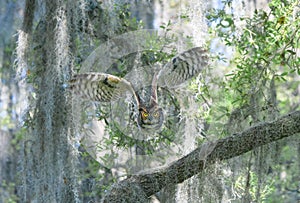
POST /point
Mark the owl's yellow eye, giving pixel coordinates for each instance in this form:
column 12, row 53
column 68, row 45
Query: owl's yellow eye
column 144, row 114
column 156, row 114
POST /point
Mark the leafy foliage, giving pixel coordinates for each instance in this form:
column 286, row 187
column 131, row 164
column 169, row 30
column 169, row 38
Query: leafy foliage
column 265, row 46
column 259, row 85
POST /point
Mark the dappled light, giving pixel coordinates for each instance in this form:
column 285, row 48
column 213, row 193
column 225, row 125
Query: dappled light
column 149, row 101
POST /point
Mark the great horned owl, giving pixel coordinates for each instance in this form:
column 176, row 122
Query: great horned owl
column 102, row 87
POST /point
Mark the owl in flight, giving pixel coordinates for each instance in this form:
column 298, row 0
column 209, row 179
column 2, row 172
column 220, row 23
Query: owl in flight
column 102, row 87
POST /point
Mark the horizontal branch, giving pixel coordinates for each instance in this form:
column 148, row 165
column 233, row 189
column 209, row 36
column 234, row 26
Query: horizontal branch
column 137, row 188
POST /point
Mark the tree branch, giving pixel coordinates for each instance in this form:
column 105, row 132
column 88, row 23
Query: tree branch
column 137, row 188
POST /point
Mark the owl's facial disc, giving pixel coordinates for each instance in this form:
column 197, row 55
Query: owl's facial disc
column 150, row 118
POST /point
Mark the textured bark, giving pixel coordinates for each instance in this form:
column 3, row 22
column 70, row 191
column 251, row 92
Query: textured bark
column 48, row 171
column 148, row 183
column 28, row 16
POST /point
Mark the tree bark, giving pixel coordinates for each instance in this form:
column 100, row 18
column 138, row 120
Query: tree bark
column 139, row 187
column 48, row 158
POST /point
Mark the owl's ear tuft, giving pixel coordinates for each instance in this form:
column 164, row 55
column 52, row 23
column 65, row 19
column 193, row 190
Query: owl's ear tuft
column 143, row 109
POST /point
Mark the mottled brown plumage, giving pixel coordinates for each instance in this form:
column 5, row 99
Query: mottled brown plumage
column 104, row 87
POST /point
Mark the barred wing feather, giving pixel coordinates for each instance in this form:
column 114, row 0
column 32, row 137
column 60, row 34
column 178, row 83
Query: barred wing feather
column 183, row 67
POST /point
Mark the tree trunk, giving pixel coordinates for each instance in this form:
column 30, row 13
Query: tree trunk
column 49, row 166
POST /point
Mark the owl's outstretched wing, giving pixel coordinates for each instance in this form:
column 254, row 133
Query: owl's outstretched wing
column 101, row 87
column 183, row 67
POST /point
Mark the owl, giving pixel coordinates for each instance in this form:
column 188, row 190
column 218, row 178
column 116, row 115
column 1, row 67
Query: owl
column 103, row 87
